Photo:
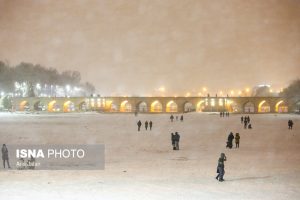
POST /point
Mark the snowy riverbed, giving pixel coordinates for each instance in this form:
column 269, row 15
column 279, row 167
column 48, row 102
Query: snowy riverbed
column 142, row 165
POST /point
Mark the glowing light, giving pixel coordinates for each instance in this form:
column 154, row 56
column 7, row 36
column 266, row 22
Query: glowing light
column 162, row 89
column 171, row 107
column 204, row 89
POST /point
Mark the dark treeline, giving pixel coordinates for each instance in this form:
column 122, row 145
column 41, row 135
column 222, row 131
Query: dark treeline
column 292, row 91
column 37, row 74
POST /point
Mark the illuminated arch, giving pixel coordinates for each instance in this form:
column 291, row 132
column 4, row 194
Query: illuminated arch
column 24, row 105
column 142, row 107
column 125, row 107
column 188, row 107
column 200, row 106
column 281, row 107
column 156, row 106
column 232, row 106
column 53, row 107
column 171, row 107
column 113, row 107
column 69, row 106
column 263, row 107
column 249, row 107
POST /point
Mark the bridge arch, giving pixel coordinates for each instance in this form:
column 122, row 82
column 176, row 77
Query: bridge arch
column 24, row 106
column 53, row 106
column 264, row 107
column 156, row 106
column 39, row 106
column 200, row 106
column 232, row 106
column 188, row 107
column 297, row 107
column 68, row 106
column 171, row 106
column 142, row 106
column 82, row 106
column 281, row 107
column 249, row 107
column 125, row 106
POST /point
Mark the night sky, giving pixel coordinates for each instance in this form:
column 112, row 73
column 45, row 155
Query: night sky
column 136, row 47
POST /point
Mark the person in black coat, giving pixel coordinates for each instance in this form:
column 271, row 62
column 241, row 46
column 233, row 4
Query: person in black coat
column 173, row 141
column 177, row 138
column 150, row 125
column 221, row 167
column 171, row 118
column 242, row 119
column 5, row 155
column 139, row 124
column 245, row 124
column 146, row 125
column 181, row 118
column 229, row 140
column 290, row 124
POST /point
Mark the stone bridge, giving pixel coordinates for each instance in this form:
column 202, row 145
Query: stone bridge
column 156, row 104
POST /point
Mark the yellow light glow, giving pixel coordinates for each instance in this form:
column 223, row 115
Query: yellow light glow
column 67, row 105
column 156, row 107
column 162, row 89
column 51, row 106
column 171, row 107
column 204, row 89
column 199, row 106
column 125, row 106
column 247, row 89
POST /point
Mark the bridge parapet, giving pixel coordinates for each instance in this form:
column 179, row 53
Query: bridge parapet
column 155, row 104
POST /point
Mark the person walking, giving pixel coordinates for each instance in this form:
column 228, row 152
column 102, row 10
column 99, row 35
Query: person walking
column 146, row 125
column 221, row 167
column 237, row 140
column 245, row 123
column 173, row 141
column 242, row 119
column 229, row 140
column 150, row 125
column 181, row 118
column 171, row 118
column 290, row 124
column 139, row 124
column 177, row 138
column 5, row 155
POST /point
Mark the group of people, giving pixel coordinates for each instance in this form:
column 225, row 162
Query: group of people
column 230, row 138
column 175, row 140
column 290, row 124
column 246, row 121
column 147, row 124
column 176, row 117
column 224, row 114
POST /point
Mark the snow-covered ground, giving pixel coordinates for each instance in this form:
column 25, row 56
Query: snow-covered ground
column 142, row 165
